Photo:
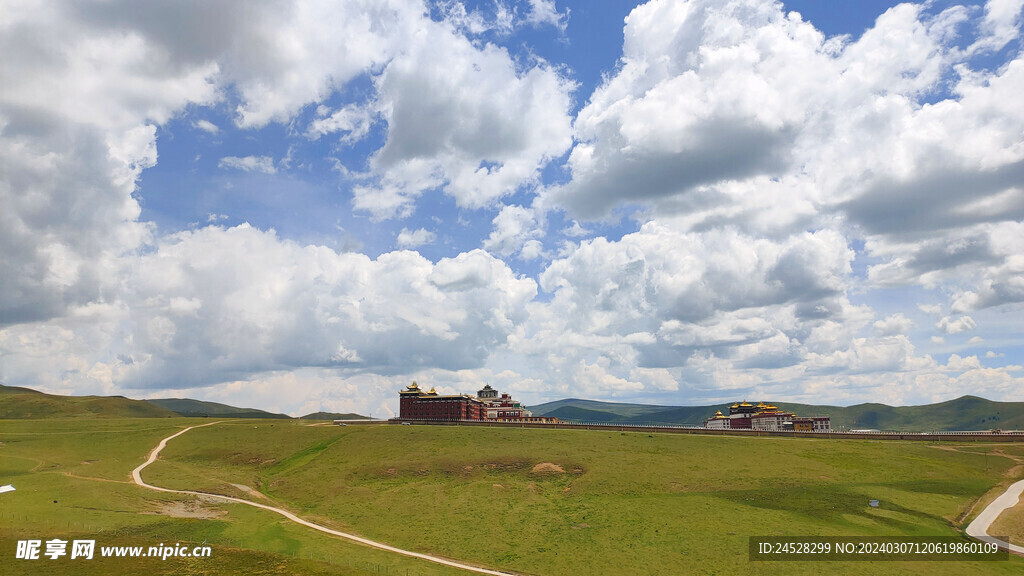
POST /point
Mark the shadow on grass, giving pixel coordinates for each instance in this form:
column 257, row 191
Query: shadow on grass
column 835, row 504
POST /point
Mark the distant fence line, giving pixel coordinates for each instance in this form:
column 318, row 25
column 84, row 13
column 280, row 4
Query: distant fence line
column 958, row 436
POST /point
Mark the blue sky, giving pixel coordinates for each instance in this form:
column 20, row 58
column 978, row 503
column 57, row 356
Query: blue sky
column 303, row 206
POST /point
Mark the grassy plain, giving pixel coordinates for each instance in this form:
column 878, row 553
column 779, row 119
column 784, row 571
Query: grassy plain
column 626, row 503
column 72, row 479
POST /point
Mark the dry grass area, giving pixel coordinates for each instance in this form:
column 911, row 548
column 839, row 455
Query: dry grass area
column 189, row 509
column 1011, row 524
column 547, row 468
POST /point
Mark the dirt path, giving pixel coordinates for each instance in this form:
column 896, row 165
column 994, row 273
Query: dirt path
column 94, row 479
column 137, row 477
column 978, row 528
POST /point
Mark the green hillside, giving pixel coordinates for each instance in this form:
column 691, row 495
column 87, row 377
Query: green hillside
column 684, row 415
column 577, row 414
column 964, row 413
column 20, row 402
column 333, row 416
column 619, row 409
column 199, row 408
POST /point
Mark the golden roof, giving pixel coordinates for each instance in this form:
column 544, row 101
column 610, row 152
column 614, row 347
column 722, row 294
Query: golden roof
column 745, row 403
column 735, row 405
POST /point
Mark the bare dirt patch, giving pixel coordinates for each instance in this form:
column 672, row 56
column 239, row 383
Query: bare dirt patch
column 507, row 466
column 189, row 509
column 249, row 490
column 547, row 468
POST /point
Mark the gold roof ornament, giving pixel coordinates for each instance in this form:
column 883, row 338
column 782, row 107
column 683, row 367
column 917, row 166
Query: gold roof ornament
column 745, row 403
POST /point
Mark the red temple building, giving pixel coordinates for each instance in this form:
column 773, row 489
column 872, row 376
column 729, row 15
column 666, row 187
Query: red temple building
column 489, row 404
column 415, row 404
column 746, row 416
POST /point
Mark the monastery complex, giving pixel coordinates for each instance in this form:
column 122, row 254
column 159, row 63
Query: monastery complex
column 746, row 416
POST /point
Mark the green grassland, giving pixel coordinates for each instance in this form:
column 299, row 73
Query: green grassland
column 73, row 481
column 626, row 503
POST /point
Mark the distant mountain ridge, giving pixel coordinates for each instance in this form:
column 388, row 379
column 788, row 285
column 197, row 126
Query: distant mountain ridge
column 19, row 402
column 200, row 408
column 334, row 416
column 964, row 413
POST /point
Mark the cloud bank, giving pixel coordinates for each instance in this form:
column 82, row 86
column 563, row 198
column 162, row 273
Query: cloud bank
column 743, row 206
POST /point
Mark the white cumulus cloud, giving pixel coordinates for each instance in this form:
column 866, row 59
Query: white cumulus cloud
column 263, row 164
column 413, row 238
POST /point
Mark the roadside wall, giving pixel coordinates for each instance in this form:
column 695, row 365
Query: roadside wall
column 966, row 436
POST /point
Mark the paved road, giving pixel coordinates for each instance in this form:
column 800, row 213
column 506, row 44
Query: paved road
column 979, row 527
column 137, row 477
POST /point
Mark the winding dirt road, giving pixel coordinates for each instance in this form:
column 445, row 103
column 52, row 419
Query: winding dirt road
column 978, row 528
column 137, row 477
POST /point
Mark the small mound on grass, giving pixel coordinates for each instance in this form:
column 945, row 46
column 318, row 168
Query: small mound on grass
column 547, row 468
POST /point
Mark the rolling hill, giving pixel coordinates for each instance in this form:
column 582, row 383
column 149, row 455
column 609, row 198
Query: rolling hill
column 199, row 408
column 17, row 402
column 333, row 416
column 964, row 413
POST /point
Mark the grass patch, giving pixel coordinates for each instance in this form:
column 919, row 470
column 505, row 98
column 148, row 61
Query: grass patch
column 624, row 503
